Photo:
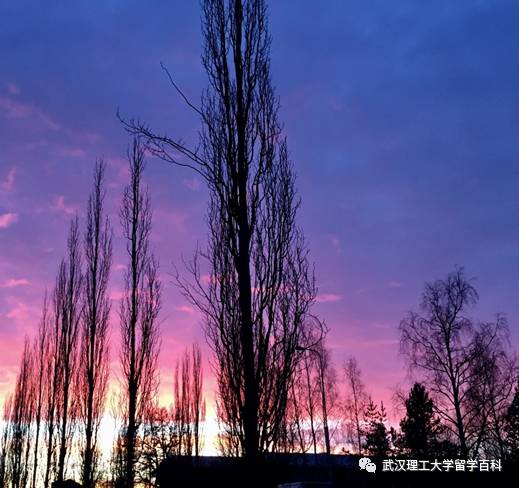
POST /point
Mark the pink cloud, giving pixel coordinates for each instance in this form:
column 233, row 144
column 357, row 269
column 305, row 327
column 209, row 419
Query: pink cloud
column 59, row 205
column 17, row 110
column 13, row 283
column 193, row 184
column 89, row 136
column 73, row 152
column 394, row 284
column 328, row 298
column 207, row 279
column 174, row 218
column 8, row 219
column 13, row 89
column 185, row 309
column 8, row 184
column 335, row 243
column 117, row 295
column 19, row 312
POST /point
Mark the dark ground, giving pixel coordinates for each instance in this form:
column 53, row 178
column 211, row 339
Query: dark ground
column 317, row 471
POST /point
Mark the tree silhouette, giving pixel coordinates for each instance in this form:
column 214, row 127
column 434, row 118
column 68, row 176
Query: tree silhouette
column 376, row 434
column 301, row 419
column 357, row 398
column 512, row 428
column 138, row 311
column 420, row 426
column 261, row 286
column 40, row 352
column 4, row 442
column 93, row 364
column 19, row 417
column 67, row 306
column 188, row 403
column 158, row 441
column 447, row 348
column 494, row 373
column 176, row 431
column 51, row 394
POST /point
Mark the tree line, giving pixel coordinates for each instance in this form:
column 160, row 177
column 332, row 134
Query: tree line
column 465, row 403
column 52, row 418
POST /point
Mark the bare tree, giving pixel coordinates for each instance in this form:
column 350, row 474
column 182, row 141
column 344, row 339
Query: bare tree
column 139, row 309
column 68, row 303
column 494, row 374
column 189, row 405
column 4, row 446
column 93, row 370
column 356, row 403
column 305, row 397
column 198, row 405
column 117, row 463
column 261, row 288
column 313, row 411
column 330, row 406
column 176, row 431
column 182, row 406
column 18, row 442
column 446, row 347
column 159, row 439
column 40, row 353
column 51, row 393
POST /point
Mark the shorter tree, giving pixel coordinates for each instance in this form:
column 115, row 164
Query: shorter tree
column 158, row 441
column 420, row 427
column 18, row 437
column 4, row 442
column 356, row 400
column 512, row 428
column 188, row 411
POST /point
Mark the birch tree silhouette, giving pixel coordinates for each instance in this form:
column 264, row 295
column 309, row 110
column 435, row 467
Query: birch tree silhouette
column 261, row 285
column 139, row 309
column 446, row 346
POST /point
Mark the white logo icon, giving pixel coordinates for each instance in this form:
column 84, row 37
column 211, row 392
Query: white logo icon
column 365, row 463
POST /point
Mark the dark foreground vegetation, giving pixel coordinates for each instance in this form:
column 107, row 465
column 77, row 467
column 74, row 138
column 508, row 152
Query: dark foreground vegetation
column 308, row 470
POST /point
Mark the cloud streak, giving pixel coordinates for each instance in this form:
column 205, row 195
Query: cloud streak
column 13, row 109
column 14, row 283
column 59, row 205
column 8, row 184
column 328, row 298
column 7, row 220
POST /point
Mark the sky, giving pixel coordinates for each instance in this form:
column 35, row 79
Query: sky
column 402, row 121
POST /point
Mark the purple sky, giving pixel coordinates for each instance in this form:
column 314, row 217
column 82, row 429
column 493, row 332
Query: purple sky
column 402, row 120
